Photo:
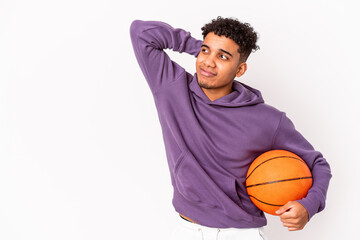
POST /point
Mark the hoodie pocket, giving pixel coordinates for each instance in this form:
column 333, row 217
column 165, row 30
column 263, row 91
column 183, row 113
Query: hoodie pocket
column 193, row 183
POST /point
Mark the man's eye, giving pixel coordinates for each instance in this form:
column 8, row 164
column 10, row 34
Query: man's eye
column 204, row 50
column 223, row 57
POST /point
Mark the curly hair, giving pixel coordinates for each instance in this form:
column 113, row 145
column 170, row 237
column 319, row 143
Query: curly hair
column 241, row 33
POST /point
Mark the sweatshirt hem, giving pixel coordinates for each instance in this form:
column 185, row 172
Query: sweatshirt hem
column 213, row 216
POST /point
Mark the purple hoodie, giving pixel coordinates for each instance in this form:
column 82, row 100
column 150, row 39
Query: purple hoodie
column 210, row 144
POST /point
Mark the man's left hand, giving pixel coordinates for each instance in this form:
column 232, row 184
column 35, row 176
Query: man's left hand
column 293, row 215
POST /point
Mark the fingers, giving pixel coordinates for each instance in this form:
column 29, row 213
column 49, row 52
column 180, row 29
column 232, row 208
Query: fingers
column 284, row 208
column 293, row 216
column 293, row 227
column 293, row 224
column 289, row 215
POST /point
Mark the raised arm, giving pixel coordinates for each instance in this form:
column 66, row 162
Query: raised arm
column 149, row 39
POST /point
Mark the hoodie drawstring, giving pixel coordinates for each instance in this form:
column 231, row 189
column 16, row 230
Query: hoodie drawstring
column 217, row 234
column 202, row 234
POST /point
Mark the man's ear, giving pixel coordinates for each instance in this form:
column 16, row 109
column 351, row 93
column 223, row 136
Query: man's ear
column 241, row 69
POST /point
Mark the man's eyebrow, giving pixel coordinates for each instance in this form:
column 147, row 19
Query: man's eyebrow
column 204, row 45
column 226, row 52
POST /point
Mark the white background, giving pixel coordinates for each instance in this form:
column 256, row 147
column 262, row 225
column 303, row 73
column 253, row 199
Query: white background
column 81, row 151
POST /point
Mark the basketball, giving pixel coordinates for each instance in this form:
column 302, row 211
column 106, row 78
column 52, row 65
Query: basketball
column 276, row 177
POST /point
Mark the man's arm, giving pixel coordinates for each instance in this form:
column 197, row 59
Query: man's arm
column 295, row 215
column 149, row 39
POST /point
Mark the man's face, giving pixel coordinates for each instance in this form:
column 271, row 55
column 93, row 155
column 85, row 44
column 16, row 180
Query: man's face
column 218, row 63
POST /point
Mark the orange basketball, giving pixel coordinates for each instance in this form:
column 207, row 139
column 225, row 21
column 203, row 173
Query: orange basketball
column 276, row 177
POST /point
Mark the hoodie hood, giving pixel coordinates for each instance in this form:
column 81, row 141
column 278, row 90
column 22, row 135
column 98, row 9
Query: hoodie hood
column 242, row 95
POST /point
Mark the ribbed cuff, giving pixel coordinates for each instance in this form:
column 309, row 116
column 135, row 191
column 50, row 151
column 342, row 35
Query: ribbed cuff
column 311, row 204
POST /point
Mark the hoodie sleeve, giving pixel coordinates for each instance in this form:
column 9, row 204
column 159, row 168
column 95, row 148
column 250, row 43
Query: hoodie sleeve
column 288, row 138
column 149, row 39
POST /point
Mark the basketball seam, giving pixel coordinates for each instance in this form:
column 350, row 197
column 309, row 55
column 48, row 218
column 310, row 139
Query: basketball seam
column 275, row 205
column 277, row 181
column 273, row 159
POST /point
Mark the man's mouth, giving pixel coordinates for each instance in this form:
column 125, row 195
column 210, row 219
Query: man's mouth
column 207, row 73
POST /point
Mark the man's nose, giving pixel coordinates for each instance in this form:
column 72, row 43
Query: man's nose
column 210, row 61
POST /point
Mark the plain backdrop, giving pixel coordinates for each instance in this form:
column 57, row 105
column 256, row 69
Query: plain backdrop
column 81, row 150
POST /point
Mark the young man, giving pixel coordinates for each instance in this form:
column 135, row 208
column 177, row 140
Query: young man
column 214, row 127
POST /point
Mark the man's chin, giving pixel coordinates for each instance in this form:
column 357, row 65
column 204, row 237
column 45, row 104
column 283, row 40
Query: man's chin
column 204, row 85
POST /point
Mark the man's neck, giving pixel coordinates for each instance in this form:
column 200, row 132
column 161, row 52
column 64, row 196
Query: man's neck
column 214, row 94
